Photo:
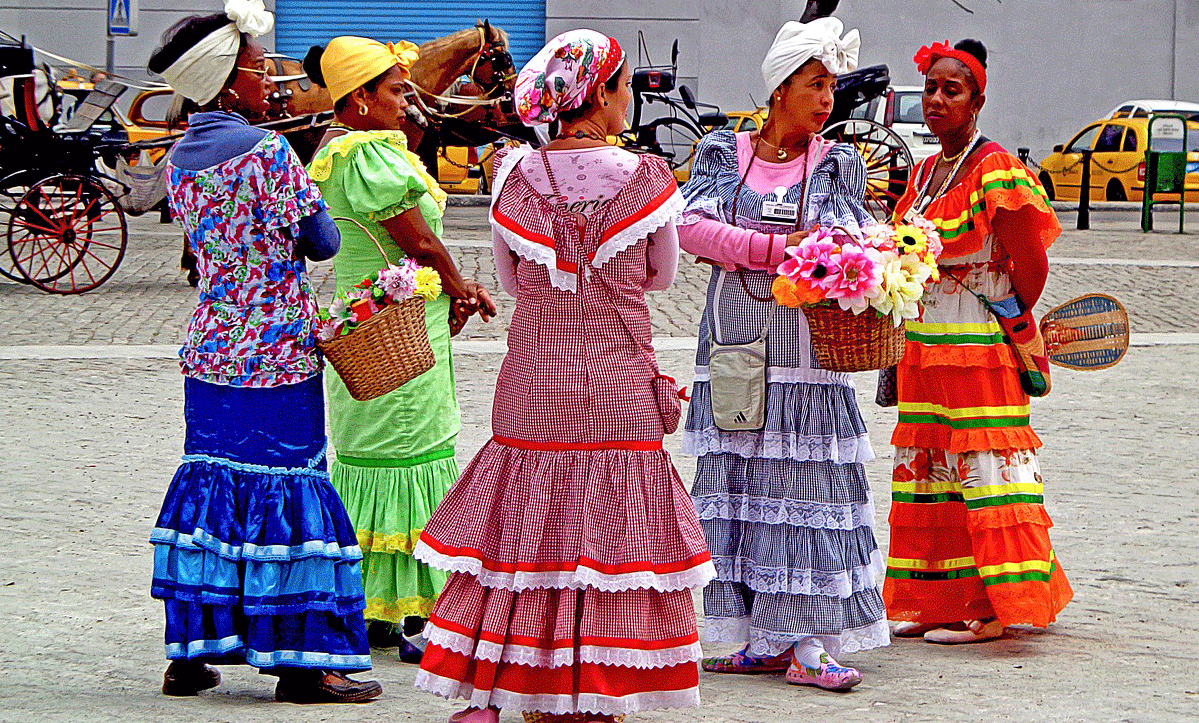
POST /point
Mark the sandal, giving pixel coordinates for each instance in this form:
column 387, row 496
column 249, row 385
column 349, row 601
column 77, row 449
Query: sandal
column 742, row 662
column 976, row 631
column 914, row 630
column 831, row 675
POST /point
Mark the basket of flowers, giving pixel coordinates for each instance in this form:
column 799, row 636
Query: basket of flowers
column 374, row 333
column 857, row 288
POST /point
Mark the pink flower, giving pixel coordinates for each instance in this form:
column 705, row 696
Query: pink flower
column 860, row 278
column 398, row 281
column 813, row 260
column 879, row 236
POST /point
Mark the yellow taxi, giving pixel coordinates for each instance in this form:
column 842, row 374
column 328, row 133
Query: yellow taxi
column 745, row 121
column 1118, row 162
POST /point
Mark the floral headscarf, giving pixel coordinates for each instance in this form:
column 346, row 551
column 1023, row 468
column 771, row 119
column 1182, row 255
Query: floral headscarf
column 563, row 73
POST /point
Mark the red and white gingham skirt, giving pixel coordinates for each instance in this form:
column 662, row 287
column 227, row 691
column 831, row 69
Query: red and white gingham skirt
column 571, row 585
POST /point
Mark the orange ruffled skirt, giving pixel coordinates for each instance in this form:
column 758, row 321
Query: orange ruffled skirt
column 969, row 530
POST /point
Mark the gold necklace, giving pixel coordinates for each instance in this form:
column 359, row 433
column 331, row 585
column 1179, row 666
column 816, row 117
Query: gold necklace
column 782, row 152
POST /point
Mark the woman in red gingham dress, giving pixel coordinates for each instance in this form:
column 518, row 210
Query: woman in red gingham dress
column 572, row 544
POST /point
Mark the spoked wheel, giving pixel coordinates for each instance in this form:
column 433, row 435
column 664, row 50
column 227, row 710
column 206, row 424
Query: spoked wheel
column 888, row 162
column 67, row 234
column 676, row 139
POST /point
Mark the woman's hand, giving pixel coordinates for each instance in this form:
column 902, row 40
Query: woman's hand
column 796, row 238
column 476, row 301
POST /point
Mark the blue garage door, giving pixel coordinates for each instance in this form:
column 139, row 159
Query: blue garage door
column 300, row 24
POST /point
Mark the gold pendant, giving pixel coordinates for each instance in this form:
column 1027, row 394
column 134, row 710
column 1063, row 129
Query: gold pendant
column 782, row 154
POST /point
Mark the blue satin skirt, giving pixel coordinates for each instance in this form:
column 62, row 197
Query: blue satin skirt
column 254, row 555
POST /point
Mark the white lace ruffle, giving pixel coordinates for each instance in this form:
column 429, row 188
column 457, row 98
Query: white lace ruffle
column 547, row 257
column 581, row 577
column 557, row 704
column 778, row 445
column 630, row 235
column 775, row 511
column 790, row 375
column 700, row 208
column 765, row 643
column 557, row 658
column 798, row 581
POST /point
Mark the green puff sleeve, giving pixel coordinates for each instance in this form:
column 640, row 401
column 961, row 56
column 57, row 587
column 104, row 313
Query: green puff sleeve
column 379, row 181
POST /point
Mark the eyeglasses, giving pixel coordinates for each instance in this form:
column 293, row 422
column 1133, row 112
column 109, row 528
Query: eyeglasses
column 260, row 71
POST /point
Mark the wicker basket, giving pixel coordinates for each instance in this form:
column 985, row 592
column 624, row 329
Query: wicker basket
column 849, row 342
column 384, row 352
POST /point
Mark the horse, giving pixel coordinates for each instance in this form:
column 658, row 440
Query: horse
column 461, row 112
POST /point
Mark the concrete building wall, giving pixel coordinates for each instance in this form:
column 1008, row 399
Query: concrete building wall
column 1054, row 64
column 76, row 28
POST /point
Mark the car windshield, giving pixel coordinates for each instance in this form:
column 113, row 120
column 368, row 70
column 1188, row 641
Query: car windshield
column 908, row 108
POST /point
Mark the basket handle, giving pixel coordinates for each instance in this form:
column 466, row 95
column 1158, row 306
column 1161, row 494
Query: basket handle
column 369, row 235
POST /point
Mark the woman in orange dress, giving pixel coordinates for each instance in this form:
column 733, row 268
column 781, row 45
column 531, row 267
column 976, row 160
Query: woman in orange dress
column 970, row 550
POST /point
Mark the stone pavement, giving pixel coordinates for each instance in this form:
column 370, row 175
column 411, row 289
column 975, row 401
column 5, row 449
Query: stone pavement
column 89, row 445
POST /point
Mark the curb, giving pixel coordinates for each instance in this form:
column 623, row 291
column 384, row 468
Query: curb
column 1122, row 206
column 465, row 200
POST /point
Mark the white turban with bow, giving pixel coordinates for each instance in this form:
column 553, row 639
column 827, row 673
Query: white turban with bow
column 201, row 72
column 797, row 43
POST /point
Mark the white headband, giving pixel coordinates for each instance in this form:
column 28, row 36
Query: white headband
column 201, row 72
column 797, row 43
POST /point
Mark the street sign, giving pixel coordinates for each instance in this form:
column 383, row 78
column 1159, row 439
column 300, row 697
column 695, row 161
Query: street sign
column 122, row 17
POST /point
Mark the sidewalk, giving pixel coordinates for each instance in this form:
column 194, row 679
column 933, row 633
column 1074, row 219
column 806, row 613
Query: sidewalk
column 92, row 440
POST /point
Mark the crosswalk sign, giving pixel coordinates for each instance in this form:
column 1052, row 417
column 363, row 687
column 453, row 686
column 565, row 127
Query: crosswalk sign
column 122, row 17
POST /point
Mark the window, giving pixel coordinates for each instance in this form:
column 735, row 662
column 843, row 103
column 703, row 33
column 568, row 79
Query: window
column 1125, row 111
column 1109, row 139
column 866, row 111
column 748, row 124
column 1130, row 140
column 908, row 108
column 1084, row 140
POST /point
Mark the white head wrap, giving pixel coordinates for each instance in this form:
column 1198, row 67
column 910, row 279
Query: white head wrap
column 797, row 43
column 200, row 73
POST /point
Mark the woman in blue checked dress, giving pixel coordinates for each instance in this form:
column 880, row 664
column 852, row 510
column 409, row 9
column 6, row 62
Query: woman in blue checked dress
column 786, row 509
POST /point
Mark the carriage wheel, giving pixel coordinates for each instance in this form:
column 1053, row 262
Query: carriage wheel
column 67, row 234
column 676, row 139
column 888, row 162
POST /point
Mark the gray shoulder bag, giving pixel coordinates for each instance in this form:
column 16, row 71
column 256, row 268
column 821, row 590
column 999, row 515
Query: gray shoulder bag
column 737, row 372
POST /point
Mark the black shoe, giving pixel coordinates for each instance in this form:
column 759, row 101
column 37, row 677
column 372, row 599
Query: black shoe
column 324, row 687
column 382, row 634
column 185, row 677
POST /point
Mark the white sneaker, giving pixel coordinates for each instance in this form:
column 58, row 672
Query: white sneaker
column 976, row 632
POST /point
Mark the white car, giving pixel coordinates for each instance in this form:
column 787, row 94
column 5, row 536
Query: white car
column 1146, row 108
column 900, row 110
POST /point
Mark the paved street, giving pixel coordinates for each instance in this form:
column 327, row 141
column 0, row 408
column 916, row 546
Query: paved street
column 91, row 397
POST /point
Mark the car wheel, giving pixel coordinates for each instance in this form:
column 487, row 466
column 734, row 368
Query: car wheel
column 1115, row 191
column 1047, row 182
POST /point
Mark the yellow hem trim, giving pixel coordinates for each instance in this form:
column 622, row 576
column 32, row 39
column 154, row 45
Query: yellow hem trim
column 1021, row 410
column 1008, row 568
column 394, row 611
column 955, row 563
column 1029, row 488
column 400, row 542
column 930, row 328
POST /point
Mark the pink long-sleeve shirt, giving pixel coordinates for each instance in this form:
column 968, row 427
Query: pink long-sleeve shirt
column 736, row 247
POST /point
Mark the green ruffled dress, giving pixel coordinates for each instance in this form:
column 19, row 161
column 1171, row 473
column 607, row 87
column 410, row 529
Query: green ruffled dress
column 395, row 454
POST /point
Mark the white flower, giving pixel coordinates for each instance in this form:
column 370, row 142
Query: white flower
column 901, row 291
column 339, row 310
column 251, row 16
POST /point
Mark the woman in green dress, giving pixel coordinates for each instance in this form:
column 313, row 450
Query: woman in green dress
column 395, row 454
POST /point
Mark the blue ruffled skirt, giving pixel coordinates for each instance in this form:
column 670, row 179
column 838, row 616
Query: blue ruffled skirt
column 254, row 555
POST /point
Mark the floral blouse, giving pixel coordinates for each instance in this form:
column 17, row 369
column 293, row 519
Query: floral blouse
column 253, row 325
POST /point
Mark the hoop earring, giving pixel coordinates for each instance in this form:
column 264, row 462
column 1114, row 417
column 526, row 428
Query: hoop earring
column 362, row 109
column 220, row 101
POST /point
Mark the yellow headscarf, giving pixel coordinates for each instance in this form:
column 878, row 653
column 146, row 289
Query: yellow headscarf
column 349, row 62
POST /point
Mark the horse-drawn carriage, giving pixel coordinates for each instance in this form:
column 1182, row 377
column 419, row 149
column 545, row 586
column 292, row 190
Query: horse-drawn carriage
column 64, row 231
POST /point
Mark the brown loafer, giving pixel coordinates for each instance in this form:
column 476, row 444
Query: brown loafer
column 325, row 687
column 185, row 677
